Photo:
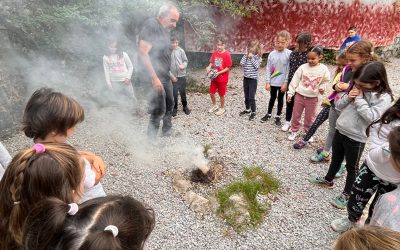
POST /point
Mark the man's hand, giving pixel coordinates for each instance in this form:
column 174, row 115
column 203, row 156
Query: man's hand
column 181, row 66
column 289, row 98
column 127, row 81
column 157, row 85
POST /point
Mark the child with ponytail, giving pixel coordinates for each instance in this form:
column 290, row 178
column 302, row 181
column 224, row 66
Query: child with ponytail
column 45, row 170
column 106, row 223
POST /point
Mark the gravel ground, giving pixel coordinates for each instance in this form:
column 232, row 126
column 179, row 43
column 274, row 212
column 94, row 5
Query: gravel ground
column 299, row 218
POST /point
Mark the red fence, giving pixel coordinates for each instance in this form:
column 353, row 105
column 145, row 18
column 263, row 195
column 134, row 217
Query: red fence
column 327, row 20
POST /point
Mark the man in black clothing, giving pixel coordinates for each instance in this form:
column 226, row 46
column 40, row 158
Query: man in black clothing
column 155, row 59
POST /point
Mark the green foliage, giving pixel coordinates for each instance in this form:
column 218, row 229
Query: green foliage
column 206, row 147
column 256, row 181
column 329, row 56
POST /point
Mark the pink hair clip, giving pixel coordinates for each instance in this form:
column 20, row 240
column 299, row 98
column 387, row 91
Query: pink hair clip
column 39, row 148
column 73, row 208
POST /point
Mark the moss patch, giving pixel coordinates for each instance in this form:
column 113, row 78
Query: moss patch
column 256, row 182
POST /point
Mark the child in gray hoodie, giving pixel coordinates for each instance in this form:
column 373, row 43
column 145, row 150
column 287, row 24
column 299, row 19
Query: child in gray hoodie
column 368, row 99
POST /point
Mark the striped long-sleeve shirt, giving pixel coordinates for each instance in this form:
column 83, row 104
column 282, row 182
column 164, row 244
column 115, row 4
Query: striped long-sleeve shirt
column 251, row 66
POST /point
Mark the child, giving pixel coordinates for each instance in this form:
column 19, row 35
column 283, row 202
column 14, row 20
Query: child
column 367, row 100
column 51, row 117
column 118, row 70
column 179, row 64
column 107, row 223
column 387, row 209
column 5, row 159
column 377, row 175
column 221, row 61
column 351, row 38
column 358, row 54
column 277, row 74
column 251, row 62
column 327, row 104
column 368, row 238
column 45, row 170
column 308, row 83
column 297, row 58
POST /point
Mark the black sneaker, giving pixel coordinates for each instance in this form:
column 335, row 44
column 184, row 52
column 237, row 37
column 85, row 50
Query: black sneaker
column 186, row 110
column 278, row 121
column 245, row 112
column 174, row 112
column 266, row 118
column 252, row 116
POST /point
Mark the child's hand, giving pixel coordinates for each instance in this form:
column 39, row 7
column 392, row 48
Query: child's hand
column 97, row 164
column 321, row 91
column 268, row 86
column 208, row 68
column 284, row 88
column 250, row 55
column 127, row 81
column 353, row 94
column 289, row 98
column 343, row 86
column 174, row 79
column 181, row 66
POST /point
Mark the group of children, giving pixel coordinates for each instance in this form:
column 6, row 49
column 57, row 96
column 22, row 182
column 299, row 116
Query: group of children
column 51, row 191
column 358, row 108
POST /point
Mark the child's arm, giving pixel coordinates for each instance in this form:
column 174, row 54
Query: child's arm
column 371, row 113
column 243, row 60
column 107, row 72
column 96, row 161
column 294, row 83
column 256, row 62
column 129, row 65
column 268, row 74
column 5, row 157
column 184, row 60
column 228, row 65
column 325, row 81
column 285, row 83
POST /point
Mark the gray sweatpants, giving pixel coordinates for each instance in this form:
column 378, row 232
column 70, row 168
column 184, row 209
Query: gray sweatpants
column 333, row 116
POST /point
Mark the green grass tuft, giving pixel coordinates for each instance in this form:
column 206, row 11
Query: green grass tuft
column 206, row 147
column 256, row 181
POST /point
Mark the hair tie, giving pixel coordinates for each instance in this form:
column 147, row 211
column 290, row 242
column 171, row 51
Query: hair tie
column 113, row 229
column 39, row 148
column 372, row 53
column 73, row 208
column 16, row 202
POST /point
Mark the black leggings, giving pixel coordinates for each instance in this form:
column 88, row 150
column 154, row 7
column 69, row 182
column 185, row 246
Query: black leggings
column 276, row 91
column 365, row 185
column 250, row 89
column 345, row 148
column 321, row 118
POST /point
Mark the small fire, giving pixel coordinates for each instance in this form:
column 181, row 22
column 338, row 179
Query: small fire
column 202, row 173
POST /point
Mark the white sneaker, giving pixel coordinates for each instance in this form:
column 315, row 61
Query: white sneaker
column 213, row 109
column 311, row 139
column 292, row 136
column 286, row 126
column 220, row 111
column 341, row 225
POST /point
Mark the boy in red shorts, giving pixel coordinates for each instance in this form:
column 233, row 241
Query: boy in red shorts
column 221, row 61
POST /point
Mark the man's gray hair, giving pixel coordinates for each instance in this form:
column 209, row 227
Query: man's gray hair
column 165, row 9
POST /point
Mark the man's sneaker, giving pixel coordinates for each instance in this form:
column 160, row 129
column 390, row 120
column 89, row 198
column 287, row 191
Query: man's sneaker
column 186, row 110
column 252, row 116
column 286, row 126
column 292, row 136
column 174, row 112
column 300, row 144
column 278, row 121
column 220, row 111
column 311, row 139
column 321, row 157
column 245, row 112
column 341, row 171
column 340, row 201
column 320, row 181
column 342, row 225
column 266, row 118
column 213, row 109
